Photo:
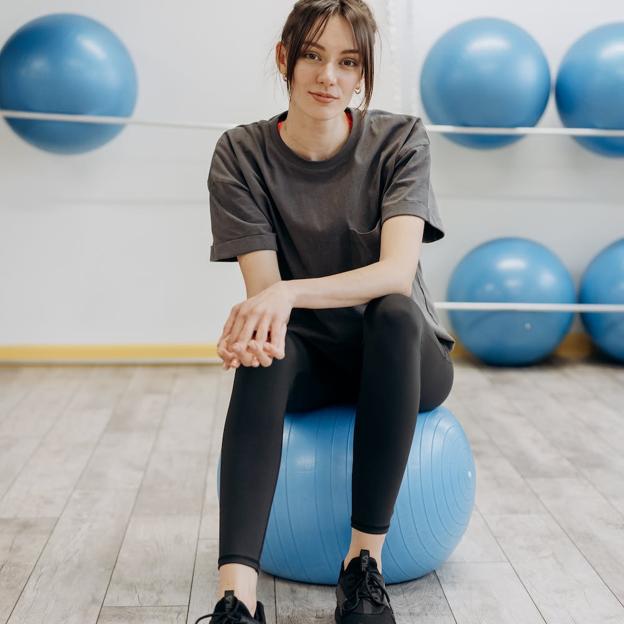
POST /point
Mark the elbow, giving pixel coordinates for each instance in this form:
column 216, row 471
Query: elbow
column 407, row 290
column 401, row 283
column 404, row 287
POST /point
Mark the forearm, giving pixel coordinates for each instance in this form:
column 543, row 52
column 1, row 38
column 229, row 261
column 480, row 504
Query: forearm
column 349, row 288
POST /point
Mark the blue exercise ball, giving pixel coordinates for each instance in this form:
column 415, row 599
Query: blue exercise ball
column 309, row 529
column 66, row 63
column 511, row 269
column 603, row 282
column 589, row 89
column 485, row 72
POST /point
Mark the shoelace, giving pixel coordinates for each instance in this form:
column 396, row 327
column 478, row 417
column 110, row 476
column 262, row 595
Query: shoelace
column 225, row 616
column 368, row 587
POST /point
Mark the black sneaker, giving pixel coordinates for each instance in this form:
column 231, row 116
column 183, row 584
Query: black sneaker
column 231, row 609
column 361, row 593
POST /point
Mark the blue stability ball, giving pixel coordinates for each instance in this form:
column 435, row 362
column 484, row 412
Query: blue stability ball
column 485, row 72
column 511, row 270
column 603, row 282
column 66, row 63
column 589, row 89
column 309, row 527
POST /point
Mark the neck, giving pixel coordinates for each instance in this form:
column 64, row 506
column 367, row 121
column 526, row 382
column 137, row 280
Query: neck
column 314, row 139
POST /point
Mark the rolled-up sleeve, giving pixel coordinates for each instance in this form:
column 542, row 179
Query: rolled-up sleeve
column 409, row 190
column 239, row 224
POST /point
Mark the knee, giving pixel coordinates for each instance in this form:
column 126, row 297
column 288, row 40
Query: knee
column 393, row 312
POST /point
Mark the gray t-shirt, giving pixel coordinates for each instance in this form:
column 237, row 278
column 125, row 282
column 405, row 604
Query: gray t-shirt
column 323, row 217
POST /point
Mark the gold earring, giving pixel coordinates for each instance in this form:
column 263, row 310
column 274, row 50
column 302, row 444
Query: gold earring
column 358, row 91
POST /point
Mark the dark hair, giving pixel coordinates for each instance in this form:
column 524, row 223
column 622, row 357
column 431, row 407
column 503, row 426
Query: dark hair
column 306, row 13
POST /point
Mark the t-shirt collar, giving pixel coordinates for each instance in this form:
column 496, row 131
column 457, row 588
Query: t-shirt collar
column 316, row 165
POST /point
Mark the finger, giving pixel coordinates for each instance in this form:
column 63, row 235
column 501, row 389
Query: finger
column 244, row 338
column 223, row 346
column 282, row 339
column 243, row 330
column 231, row 321
column 275, row 338
column 247, row 330
column 252, row 361
column 248, row 356
column 225, row 357
column 270, row 344
column 244, row 358
column 262, row 330
column 230, row 356
column 244, row 354
column 271, row 349
column 236, row 323
column 231, row 363
column 224, row 351
column 222, row 337
column 262, row 357
column 236, row 334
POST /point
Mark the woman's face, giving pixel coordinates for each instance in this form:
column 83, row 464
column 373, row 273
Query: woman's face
column 329, row 65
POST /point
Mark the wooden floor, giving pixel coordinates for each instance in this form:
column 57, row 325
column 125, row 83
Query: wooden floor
column 109, row 513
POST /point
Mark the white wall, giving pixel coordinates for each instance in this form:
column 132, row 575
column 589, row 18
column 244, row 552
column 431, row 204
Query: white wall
column 112, row 246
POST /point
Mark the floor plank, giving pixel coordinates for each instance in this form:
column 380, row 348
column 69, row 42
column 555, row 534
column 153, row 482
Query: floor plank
column 109, row 506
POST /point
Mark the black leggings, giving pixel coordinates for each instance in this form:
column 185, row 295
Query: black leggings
column 396, row 369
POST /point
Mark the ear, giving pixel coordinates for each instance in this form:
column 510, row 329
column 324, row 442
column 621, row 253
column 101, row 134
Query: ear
column 280, row 56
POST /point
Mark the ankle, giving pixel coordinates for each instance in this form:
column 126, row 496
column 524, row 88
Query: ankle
column 242, row 579
column 246, row 597
column 353, row 554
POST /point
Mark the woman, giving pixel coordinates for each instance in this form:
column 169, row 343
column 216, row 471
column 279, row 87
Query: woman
column 325, row 207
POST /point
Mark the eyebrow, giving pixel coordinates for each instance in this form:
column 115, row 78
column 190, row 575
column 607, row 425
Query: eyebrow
column 318, row 45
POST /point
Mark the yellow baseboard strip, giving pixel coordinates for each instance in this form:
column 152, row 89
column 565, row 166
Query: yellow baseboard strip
column 574, row 346
column 104, row 354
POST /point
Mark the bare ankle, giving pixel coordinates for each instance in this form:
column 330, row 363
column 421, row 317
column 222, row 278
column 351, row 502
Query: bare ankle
column 248, row 600
column 373, row 542
column 353, row 554
column 243, row 580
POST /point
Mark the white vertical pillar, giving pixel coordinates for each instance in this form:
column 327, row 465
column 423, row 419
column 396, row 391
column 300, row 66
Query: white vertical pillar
column 396, row 66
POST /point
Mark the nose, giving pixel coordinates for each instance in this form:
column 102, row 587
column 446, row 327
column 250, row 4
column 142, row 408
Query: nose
column 327, row 75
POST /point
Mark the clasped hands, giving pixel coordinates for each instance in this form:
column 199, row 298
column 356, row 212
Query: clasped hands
column 255, row 330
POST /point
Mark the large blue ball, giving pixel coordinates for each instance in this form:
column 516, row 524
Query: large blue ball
column 66, row 63
column 485, row 72
column 511, row 269
column 309, row 527
column 603, row 282
column 589, row 90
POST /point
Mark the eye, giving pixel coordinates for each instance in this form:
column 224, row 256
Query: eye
column 354, row 63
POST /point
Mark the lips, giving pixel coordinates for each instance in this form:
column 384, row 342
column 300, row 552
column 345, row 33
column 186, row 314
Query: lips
column 323, row 95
